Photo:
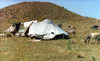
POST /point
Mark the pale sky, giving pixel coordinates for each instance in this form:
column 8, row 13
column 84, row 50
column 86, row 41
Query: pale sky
column 90, row 8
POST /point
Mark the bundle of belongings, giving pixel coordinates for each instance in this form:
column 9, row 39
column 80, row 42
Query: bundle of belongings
column 43, row 30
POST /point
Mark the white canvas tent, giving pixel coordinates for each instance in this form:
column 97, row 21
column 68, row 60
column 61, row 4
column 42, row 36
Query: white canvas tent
column 46, row 28
column 21, row 27
column 24, row 27
column 27, row 24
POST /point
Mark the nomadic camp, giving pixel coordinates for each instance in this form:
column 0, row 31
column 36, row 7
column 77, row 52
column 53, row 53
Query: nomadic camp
column 45, row 29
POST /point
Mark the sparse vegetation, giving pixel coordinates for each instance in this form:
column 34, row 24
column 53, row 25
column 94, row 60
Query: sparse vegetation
column 27, row 11
column 20, row 49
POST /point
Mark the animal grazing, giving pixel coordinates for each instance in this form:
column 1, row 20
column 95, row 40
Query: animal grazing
column 72, row 30
column 95, row 27
column 92, row 36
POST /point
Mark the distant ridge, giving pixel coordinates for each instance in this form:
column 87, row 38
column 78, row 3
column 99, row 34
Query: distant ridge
column 27, row 11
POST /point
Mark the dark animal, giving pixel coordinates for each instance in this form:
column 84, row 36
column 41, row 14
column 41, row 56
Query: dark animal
column 95, row 27
column 69, row 26
column 60, row 25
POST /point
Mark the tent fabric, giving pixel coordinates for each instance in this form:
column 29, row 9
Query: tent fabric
column 10, row 29
column 24, row 27
column 26, row 24
column 46, row 28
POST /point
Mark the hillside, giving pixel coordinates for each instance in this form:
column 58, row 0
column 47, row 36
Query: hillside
column 22, row 49
column 27, row 11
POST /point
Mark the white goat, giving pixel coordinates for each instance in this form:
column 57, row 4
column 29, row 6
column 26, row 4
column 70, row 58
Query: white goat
column 92, row 36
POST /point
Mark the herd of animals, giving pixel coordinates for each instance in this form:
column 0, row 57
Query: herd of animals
column 72, row 30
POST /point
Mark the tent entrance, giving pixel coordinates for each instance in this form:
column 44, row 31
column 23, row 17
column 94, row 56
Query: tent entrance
column 61, row 36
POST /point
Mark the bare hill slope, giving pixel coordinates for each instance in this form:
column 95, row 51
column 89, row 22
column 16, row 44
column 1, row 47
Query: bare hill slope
column 27, row 11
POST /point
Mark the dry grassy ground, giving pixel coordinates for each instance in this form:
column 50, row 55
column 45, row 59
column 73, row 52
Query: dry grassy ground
column 20, row 49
